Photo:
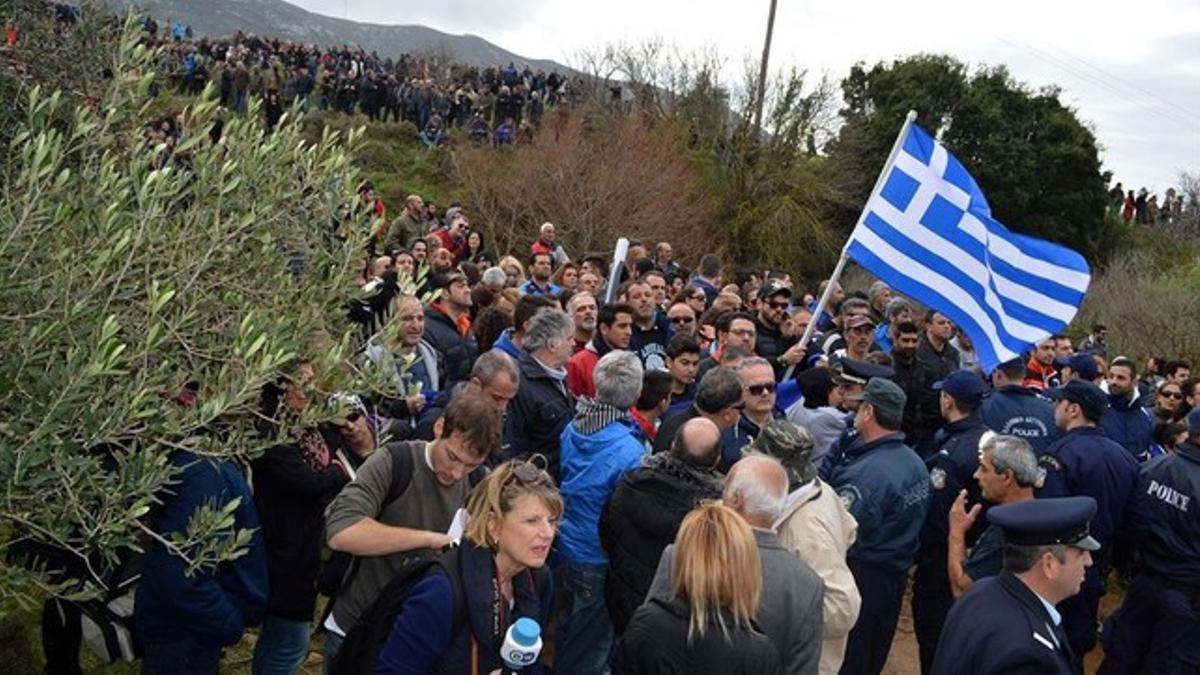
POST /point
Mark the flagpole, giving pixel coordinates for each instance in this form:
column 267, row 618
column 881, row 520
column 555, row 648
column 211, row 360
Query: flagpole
column 841, row 263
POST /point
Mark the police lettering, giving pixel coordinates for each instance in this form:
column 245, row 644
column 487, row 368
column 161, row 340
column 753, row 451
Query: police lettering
column 1169, row 495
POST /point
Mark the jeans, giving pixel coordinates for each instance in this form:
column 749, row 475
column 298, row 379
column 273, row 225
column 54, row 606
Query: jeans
column 281, row 647
column 333, row 642
column 585, row 635
column 184, row 657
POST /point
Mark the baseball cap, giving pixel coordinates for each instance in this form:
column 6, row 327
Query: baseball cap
column 1193, row 421
column 858, row 320
column 773, row 287
column 961, row 385
column 1089, row 397
column 1082, row 364
column 446, row 279
column 884, row 395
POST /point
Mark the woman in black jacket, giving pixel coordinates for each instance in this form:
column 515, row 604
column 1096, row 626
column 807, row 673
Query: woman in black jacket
column 707, row 626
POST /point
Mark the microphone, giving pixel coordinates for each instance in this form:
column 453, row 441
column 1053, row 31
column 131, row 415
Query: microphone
column 522, row 644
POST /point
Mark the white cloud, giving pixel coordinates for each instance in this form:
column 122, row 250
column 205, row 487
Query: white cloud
column 1133, row 72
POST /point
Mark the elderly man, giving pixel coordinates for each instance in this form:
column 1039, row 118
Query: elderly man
column 789, row 609
column 542, row 406
column 597, row 447
column 816, row 527
column 545, row 243
column 878, row 294
column 758, row 406
column 682, row 319
column 583, row 310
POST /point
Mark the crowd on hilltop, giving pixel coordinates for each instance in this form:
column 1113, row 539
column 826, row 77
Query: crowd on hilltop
column 499, row 103
column 1144, row 208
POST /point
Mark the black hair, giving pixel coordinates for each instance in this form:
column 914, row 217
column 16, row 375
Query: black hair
column 682, row 344
column 656, row 387
column 607, row 315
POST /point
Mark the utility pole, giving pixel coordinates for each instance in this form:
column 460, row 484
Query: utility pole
column 762, row 73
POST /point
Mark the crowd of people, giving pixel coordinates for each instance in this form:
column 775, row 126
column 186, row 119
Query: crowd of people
column 651, row 464
column 1144, row 208
column 498, row 103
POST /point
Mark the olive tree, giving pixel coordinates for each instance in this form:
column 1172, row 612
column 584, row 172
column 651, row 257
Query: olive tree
column 133, row 271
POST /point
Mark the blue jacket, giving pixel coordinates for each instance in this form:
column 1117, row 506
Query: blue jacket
column 1129, row 424
column 214, row 606
column 1017, row 411
column 422, row 639
column 737, row 437
column 1170, row 495
column 951, row 468
column 885, row 487
column 1084, row 461
column 505, row 344
column 530, row 288
column 591, row 467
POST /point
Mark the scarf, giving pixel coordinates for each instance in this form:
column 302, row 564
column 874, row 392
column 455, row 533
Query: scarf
column 592, row 415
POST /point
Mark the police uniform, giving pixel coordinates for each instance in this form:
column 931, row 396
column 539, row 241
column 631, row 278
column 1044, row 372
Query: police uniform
column 951, row 468
column 1157, row 629
column 1084, row 461
column 885, row 487
column 1000, row 626
column 1014, row 410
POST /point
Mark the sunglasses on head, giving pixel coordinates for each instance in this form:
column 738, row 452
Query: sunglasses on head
column 760, row 389
column 527, row 472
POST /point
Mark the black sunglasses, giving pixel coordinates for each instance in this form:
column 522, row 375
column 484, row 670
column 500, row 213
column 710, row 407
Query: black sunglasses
column 682, row 319
column 353, row 416
column 760, row 389
column 1171, row 394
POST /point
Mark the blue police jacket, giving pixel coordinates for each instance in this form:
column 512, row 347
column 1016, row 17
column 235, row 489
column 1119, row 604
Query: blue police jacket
column 1170, row 496
column 951, row 468
column 1000, row 626
column 1017, row 411
column 1084, row 461
column 1129, row 424
column 885, row 487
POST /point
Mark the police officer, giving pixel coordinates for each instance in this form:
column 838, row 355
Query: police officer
column 885, row 487
column 1014, row 410
column 950, row 469
column 1008, row 623
column 1157, row 629
column 1084, row 461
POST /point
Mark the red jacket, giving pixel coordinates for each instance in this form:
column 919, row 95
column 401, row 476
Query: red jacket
column 459, row 248
column 580, row 369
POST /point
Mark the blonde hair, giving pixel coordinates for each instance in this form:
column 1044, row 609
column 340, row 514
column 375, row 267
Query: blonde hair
column 495, row 496
column 510, row 261
column 716, row 567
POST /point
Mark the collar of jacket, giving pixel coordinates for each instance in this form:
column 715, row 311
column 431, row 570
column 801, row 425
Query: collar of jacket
column 534, row 370
column 965, row 424
column 592, row 415
column 1189, row 450
column 478, row 572
column 671, row 466
column 860, row 447
column 597, row 343
column 1125, row 401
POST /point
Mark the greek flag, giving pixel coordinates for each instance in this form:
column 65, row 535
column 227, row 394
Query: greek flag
column 928, row 231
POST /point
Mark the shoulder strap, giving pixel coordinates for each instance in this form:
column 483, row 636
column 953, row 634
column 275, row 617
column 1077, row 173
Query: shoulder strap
column 403, row 467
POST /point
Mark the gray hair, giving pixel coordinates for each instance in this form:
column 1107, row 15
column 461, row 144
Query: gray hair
column 751, row 362
column 494, row 276
column 895, row 306
column 853, row 303
column 547, row 325
column 876, row 288
column 618, row 377
column 1013, row 453
column 492, row 363
column 763, row 499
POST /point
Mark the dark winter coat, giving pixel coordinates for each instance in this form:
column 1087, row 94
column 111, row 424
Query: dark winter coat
column 656, row 642
column 458, row 351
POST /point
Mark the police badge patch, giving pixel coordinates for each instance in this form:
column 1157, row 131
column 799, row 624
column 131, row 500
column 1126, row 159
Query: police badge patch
column 938, row 478
column 849, row 495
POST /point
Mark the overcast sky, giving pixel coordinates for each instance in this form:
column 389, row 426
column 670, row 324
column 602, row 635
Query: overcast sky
column 1131, row 69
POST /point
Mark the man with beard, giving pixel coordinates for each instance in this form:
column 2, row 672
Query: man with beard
column 448, row 327
column 1128, row 421
column 540, row 271
column 937, row 359
column 651, row 330
column 1039, row 371
column 614, row 329
column 582, row 308
column 682, row 319
column 772, row 344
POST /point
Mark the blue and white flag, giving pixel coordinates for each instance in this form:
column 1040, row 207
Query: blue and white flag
column 928, row 231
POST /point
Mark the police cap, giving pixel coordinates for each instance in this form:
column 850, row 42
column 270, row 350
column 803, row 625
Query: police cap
column 1043, row 522
column 1090, row 398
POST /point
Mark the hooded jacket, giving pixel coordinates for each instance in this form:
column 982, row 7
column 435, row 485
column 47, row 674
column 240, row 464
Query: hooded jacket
column 593, row 460
column 1129, row 424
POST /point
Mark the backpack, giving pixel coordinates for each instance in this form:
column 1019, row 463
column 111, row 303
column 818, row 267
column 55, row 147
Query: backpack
column 340, row 568
column 360, row 649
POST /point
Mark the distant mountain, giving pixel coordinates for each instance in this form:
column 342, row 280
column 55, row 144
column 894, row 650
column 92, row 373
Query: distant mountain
column 276, row 18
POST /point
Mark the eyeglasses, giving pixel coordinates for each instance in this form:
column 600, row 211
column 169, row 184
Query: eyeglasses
column 780, row 305
column 682, row 319
column 1171, row 394
column 760, row 389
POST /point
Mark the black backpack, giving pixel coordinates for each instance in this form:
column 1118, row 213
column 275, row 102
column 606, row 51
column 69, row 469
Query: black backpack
column 360, row 649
